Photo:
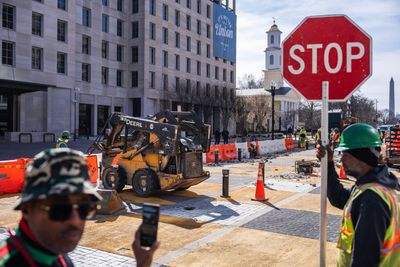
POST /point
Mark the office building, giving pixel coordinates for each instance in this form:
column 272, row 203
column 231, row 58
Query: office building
column 68, row 64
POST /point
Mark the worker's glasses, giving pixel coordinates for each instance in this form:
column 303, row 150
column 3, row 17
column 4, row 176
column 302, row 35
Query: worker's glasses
column 63, row 211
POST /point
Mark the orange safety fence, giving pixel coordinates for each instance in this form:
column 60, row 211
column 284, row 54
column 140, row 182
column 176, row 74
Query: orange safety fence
column 12, row 174
column 229, row 152
column 93, row 168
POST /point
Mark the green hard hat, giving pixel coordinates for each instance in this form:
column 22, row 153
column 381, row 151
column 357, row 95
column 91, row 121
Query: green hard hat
column 65, row 134
column 359, row 135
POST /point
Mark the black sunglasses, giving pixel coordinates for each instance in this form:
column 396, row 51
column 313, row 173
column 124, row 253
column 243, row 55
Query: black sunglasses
column 63, row 211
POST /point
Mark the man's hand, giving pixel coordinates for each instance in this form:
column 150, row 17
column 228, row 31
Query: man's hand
column 321, row 150
column 143, row 255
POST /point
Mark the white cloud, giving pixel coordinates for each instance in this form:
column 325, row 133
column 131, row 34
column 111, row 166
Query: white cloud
column 380, row 19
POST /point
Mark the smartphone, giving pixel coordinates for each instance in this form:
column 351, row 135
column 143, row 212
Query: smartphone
column 150, row 216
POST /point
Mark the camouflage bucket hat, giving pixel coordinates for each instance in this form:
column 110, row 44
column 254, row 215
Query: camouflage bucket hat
column 56, row 172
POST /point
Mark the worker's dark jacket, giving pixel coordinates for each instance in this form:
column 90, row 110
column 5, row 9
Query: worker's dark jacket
column 10, row 255
column 369, row 213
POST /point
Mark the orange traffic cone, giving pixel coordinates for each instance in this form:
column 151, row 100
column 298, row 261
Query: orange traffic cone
column 260, row 194
column 342, row 174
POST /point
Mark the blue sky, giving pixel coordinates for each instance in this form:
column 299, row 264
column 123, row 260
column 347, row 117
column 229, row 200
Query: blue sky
column 379, row 18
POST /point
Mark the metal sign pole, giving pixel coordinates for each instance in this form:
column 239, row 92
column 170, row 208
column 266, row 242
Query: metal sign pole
column 324, row 173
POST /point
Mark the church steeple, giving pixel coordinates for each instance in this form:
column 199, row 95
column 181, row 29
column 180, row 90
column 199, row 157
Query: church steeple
column 273, row 58
column 273, row 51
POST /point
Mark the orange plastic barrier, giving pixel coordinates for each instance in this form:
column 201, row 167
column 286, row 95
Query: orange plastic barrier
column 289, row 143
column 12, row 174
column 93, row 168
column 229, row 152
column 210, row 156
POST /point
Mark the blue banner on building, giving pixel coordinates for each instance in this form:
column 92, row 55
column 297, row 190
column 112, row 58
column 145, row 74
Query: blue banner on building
column 224, row 33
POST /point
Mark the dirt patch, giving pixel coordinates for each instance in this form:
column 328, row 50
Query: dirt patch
column 248, row 247
column 115, row 234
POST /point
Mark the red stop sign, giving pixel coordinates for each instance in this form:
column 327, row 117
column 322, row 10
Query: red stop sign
column 327, row 48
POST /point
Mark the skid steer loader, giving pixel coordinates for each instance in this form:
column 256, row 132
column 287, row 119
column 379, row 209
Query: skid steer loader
column 154, row 154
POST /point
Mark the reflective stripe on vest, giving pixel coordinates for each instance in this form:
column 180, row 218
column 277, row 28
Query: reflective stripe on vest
column 390, row 249
column 61, row 144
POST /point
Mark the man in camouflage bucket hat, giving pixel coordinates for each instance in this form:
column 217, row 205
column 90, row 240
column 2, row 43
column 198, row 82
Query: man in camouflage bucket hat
column 56, row 200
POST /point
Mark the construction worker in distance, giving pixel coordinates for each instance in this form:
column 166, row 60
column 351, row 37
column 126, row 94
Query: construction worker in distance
column 56, row 201
column 336, row 138
column 331, row 136
column 63, row 140
column 303, row 136
column 370, row 230
column 318, row 136
column 382, row 135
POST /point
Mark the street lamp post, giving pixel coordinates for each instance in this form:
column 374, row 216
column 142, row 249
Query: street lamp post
column 273, row 87
column 76, row 111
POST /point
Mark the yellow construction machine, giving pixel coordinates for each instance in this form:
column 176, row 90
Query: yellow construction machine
column 158, row 153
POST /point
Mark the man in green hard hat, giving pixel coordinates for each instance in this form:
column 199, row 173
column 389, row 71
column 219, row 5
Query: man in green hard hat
column 63, row 140
column 370, row 230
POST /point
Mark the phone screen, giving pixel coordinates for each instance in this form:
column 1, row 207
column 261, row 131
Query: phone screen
column 149, row 228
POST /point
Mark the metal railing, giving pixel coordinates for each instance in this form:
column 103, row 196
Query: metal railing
column 23, row 135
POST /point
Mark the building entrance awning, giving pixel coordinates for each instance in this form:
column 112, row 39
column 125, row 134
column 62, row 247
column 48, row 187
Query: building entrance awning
column 17, row 88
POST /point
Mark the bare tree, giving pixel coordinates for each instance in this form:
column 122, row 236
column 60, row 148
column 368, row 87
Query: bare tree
column 289, row 118
column 357, row 106
column 207, row 102
column 165, row 100
column 182, row 95
column 261, row 108
column 242, row 104
column 249, row 81
column 310, row 114
column 383, row 116
column 227, row 106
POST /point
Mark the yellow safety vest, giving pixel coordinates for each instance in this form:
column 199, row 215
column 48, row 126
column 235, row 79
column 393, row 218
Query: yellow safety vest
column 61, row 143
column 390, row 249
